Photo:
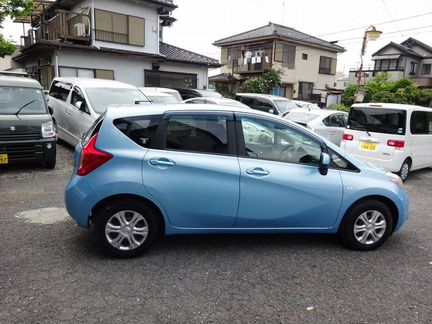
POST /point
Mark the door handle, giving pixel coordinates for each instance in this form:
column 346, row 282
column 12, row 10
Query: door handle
column 257, row 171
column 162, row 162
column 67, row 111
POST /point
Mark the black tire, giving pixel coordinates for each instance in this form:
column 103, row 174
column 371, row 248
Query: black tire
column 104, row 214
column 405, row 169
column 346, row 231
column 50, row 164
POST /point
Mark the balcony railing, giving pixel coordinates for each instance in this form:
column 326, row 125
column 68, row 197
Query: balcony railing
column 252, row 68
column 64, row 26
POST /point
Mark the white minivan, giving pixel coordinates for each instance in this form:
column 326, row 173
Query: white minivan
column 394, row 136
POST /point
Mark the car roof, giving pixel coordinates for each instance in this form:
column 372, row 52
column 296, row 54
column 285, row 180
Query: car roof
column 261, row 95
column 96, row 83
column 156, row 89
column 14, row 81
column 157, row 94
column 389, row 106
column 316, row 112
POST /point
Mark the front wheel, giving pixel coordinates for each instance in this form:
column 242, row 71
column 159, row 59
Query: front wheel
column 366, row 226
column 126, row 228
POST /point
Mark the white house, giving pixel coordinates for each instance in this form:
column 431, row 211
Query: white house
column 112, row 39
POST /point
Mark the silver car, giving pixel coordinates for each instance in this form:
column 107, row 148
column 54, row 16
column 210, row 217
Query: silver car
column 327, row 123
column 78, row 102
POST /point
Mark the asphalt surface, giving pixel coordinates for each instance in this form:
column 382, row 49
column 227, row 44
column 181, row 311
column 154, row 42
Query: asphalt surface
column 52, row 272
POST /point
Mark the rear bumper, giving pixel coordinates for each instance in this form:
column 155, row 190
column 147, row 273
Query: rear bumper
column 34, row 150
column 392, row 164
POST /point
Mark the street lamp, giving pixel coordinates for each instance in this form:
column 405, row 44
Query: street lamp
column 370, row 34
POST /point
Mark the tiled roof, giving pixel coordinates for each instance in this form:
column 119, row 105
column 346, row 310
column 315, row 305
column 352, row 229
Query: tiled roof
column 410, row 42
column 177, row 54
column 404, row 49
column 275, row 30
column 168, row 3
column 223, row 77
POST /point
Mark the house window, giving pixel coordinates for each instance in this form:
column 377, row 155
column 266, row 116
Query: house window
column 327, row 65
column 170, row 80
column 413, row 69
column 305, row 90
column 304, row 56
column 86, row 73
column 117, row 28
column 426, row 69
column 285, row 53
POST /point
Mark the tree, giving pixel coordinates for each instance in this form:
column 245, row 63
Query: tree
column 263, row 83
column 13, row 9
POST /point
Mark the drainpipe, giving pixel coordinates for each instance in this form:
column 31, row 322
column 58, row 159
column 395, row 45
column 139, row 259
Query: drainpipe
column 56, row 66
column 92, row 24
column 158, row 34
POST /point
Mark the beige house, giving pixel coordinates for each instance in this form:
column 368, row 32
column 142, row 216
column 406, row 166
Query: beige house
column 308, row 63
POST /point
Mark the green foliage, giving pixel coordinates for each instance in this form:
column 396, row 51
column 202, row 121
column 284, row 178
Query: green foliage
column 6, row 47
column 263, row 83
column 224, row 90
column 380, row 89
column 340, row 107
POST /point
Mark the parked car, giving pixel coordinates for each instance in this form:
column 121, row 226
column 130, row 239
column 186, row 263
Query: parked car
column 215, row 101
column 78, row 102
column 161, row 98
column 395, row 137
column 193, row 93
column 27, row 132
column 189, row 169
column 305, row 104
column 268, row 103
column 330, row 124
column 154, row 90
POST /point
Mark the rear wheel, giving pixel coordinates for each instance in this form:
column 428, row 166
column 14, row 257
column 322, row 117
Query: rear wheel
column 126, row 228
column 405, row 169
column 366, row 226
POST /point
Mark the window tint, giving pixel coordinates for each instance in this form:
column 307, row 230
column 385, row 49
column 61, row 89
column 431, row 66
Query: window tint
column 141, row 129
column 419, row 122
column 60, row 90
column 197, row 133
column 264, row 106
column 248, row 101
column 278, row 142
column 77, row 97
column 388, row 121
column 335, row 120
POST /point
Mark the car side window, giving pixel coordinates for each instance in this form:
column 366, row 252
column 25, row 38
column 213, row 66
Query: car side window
column 141, row 129
column 197, row 133
column 335, row 120
column 265, row 106
column 339, row 162
column 78, row 100
column 419, row 122
column 60, row 90
column 268, row 140
column 247, row 101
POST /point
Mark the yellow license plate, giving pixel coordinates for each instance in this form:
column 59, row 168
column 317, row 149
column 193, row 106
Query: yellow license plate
column 367, row 146
column 3, row 158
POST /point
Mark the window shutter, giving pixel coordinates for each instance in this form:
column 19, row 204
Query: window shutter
column 119, row 23
column 278, row 52
column 224, row 55
column 289, row 56
column 105, row 74
column 333, row 66
column 103, row 20
column 136, row 31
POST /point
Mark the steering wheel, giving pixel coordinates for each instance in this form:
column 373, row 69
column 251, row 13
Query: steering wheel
column 287, row 153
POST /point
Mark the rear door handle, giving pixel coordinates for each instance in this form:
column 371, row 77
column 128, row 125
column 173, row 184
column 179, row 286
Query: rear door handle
column 257, row 171
column 162, row 162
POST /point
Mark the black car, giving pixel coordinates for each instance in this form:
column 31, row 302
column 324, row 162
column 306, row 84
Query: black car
column 27, row 131
column 193, row 93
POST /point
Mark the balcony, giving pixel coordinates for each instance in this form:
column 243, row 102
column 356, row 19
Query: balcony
column 64, row 26
column 252, row 68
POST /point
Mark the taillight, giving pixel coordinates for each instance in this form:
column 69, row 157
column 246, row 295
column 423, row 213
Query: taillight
column 347, row 137
column 395, row 143
column 92, row 158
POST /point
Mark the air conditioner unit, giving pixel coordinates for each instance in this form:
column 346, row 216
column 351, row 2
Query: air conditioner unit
column 79, row 30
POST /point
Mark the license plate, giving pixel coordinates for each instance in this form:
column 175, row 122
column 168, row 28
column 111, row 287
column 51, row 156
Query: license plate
column 3, row 158
column 367, row 146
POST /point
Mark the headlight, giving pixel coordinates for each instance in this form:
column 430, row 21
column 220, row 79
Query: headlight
column 395, row 178
column 48, row 129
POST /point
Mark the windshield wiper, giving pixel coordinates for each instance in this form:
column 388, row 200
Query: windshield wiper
column 28, row 103
column 363, row 127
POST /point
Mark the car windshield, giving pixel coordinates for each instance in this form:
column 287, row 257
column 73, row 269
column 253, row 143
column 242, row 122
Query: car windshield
column 211, row 94
column 101, row 98
column 378, row 120
column 175, row 95
column 25, row 101
column 285, row 106
column 162, row 99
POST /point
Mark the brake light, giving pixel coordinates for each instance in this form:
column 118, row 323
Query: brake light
column 92, row 158
column 347, row 137
column 395, row 143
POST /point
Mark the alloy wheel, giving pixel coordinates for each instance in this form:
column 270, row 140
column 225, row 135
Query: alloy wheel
column 369, row 227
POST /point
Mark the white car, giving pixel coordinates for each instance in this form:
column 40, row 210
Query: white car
column 153, row 91
column 215, row 101
column 161, row 98
column 394, row 136
column 328, row 123
column 78, row 102
column 305, row 104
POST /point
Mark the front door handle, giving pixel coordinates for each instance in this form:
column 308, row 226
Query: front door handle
column 162, row 162
column 257, row 171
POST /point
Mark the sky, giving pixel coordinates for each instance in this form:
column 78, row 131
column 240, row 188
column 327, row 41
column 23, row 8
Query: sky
column 201, row 22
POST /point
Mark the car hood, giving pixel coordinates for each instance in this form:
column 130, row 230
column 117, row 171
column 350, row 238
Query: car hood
column 22, row 124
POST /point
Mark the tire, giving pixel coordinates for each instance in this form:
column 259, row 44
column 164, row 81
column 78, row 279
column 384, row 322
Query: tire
column 375, row 233
column 404, row 170
column 50, row 164
column 115, row 225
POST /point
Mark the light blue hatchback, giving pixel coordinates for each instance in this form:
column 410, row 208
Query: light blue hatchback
column 141, row 172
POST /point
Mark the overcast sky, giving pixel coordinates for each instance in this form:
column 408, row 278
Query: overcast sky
column 201, row 22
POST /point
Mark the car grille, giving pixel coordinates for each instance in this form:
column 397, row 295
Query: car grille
column 23, row 151
column 19, row 137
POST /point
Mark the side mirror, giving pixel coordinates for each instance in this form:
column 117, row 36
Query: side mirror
column 324, row 163
column 271, row 111
column 79, row 105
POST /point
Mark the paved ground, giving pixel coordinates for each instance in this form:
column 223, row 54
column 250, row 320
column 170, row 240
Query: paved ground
column 51, row 271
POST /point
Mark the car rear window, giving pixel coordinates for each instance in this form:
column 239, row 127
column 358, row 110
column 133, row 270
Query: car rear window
column 140, row 129
column 379, row 120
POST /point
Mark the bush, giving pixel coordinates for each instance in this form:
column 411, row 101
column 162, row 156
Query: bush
column 340, row 107
column 263, row 83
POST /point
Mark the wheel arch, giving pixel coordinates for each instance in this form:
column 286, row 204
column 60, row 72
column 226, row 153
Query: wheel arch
column 387, row 201
column 141, row 199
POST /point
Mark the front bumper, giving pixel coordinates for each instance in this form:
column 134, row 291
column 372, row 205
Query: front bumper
column 29, row 150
